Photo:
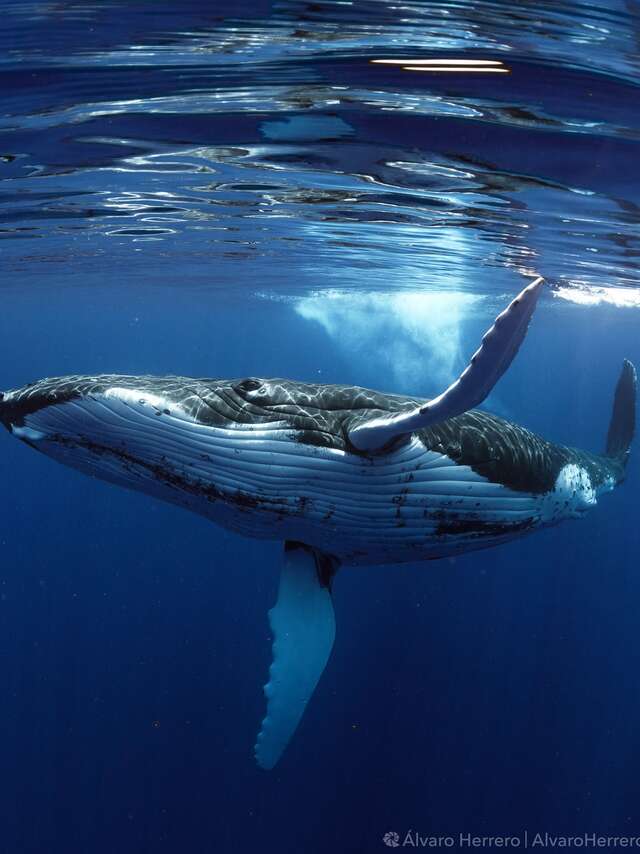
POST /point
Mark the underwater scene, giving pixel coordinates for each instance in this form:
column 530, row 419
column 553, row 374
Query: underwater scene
column 346, row 295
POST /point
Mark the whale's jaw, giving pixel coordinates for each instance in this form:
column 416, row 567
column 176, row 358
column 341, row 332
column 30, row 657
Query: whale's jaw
column 142, row 436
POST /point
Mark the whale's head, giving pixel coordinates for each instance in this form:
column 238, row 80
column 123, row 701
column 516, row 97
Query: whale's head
column 112, row 407
column 182, row 433
column 117, row 411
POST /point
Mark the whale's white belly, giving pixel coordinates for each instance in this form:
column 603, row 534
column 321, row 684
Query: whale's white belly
column 409, row 504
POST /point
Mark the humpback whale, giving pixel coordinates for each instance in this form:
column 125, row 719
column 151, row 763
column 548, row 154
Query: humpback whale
column 341, row 474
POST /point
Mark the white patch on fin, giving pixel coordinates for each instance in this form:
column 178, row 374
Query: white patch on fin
column 303, row 626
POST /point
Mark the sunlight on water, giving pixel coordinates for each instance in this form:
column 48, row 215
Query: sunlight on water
column 290, row 136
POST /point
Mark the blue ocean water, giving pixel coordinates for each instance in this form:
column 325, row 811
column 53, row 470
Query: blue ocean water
column 229, row 189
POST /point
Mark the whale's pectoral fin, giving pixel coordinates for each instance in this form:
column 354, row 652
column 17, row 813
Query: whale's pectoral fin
column 496, row 352
column 303, row 628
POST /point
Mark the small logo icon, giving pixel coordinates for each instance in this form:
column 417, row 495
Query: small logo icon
column 391, row 839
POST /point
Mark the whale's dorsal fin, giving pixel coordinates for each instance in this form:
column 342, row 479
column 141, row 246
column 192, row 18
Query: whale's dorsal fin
column 496, row 352
column 303, row 627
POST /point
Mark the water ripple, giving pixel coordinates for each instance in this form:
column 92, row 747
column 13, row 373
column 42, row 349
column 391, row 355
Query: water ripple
column 266, row 147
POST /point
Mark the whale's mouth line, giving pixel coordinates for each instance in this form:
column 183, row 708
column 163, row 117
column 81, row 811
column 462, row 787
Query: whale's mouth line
column 165, row 476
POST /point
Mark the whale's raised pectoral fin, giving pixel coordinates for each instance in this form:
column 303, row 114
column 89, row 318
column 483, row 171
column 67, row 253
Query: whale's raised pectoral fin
column 496, row 352
column 303, row 627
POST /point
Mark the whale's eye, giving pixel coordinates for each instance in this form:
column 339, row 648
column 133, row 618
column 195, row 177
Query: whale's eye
column 248, row 385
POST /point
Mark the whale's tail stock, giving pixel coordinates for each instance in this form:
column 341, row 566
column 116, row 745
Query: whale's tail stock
column 623, row 416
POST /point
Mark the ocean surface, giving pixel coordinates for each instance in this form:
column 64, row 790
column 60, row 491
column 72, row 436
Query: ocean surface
column 229, row 189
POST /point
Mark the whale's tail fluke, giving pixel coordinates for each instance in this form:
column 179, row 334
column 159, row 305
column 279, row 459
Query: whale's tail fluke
column 623, row 417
